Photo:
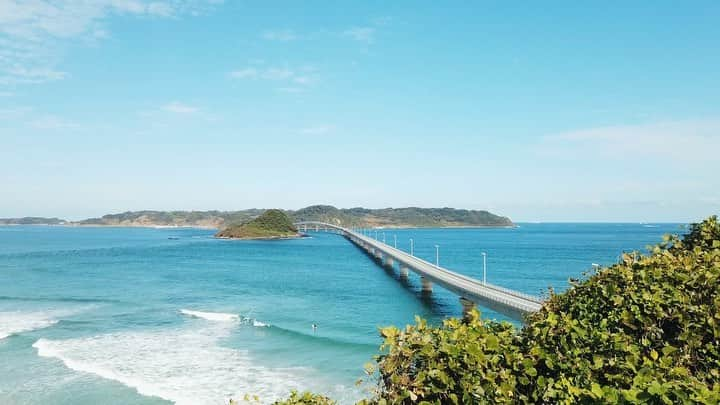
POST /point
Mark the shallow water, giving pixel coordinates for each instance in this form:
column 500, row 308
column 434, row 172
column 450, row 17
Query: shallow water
column 128, row 316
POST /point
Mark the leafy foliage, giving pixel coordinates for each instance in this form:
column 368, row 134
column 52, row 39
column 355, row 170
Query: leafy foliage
column 271, row 224
column 306, row 398
column 645, row 330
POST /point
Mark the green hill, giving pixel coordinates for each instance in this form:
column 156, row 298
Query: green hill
column 271, row 224
column 400, row 217
column 360, row 217
column 31, row 221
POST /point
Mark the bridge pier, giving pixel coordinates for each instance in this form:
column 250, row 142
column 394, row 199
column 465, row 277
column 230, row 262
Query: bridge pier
column 404, row 272
column 467, row 306
column 426, row 285
column 389, row 261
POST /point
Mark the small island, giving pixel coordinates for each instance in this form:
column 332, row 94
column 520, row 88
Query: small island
column 272, row 224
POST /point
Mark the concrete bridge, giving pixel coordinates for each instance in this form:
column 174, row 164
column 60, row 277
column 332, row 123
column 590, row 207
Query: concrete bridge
column 471, row 292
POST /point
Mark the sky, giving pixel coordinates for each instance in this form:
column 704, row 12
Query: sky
column 561, row 111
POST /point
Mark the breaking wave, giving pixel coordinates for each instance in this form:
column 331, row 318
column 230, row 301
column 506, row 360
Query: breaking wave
column 12, row 323
column 186, row 366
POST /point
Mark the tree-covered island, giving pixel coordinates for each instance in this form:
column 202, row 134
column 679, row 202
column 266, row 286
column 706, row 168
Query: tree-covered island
column 272, row 224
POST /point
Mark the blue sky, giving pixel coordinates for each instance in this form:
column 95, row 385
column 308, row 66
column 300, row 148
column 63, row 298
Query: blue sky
column 557, row 112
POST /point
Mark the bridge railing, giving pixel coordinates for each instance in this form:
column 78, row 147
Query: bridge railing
column 490, row 291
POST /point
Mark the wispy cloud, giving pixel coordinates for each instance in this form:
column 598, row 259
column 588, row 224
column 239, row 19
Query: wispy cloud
column 8, row 113
column 280, row 35
column 294, row 80
column 32, row 31
column 177, row 107
column 361, row 34
column 678, row 141
column 366, row 33
column 317, row 130
column 53, row 122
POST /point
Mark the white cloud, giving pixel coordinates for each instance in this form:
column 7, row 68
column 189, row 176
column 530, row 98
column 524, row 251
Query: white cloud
column 246, row 73
column 678, row 141
column 19, row 74
column 8, row 113
column 298, row 78
column 280, row 35
column 180, row 108
column 318, row 130
column 290, row 89
column 32, row 31
column 361, row 34
column 52, row 122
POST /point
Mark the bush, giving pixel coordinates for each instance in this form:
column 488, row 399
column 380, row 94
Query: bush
column 306, row 398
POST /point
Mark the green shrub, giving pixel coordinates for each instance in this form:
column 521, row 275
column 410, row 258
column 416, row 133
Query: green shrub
column 305, row 398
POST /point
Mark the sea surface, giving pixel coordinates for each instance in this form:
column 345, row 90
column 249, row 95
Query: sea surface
column 157, row 316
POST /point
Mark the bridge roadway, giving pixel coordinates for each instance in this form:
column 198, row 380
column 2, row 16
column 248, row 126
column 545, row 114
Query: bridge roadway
column 508, row 302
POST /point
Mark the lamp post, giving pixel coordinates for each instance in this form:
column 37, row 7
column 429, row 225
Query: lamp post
column 395, row 237
column 437, row 255
column 484, row 267
column 376, row 235
column 412, row 247
column 383, row 237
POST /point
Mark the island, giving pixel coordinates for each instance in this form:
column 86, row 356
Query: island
column 404, row 217
column 271, row 224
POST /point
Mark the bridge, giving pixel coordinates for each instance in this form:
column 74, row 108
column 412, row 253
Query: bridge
column 472, row 292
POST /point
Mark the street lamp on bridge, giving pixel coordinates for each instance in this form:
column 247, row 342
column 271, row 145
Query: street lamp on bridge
column 437, row 255
column 412, row 247
column 484, row 267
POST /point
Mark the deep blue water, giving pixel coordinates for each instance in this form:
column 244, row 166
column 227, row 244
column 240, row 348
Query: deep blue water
column 90, row 315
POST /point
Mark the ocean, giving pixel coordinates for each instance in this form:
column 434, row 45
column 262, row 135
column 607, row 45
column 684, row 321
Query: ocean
column 172, row 315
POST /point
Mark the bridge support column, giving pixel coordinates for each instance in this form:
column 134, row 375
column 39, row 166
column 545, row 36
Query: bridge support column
column 467, row 306
column 389, row 261
column 426, row 285
column 404, row 272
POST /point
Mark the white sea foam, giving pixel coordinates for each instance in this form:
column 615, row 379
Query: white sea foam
column 224, row 317
column 186, row 366
column 211, row 316
column 12, row 323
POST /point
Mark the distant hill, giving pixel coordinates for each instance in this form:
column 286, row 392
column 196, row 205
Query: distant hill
column 206, row 219
column 400, row 217
column 384, row 217
column 270, row 225
column 32, row 221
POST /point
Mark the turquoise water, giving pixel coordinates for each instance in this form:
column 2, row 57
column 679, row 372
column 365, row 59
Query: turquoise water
column 129, row 316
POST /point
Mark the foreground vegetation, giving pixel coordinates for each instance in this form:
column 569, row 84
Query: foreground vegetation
column 645, row 330
column 271, row 224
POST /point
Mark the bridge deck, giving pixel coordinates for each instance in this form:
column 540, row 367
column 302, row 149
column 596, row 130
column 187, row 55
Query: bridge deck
column 509, row 302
